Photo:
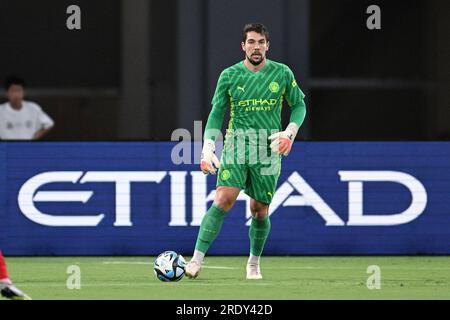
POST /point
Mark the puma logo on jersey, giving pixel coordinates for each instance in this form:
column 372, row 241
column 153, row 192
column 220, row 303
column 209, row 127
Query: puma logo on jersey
column 241, row 88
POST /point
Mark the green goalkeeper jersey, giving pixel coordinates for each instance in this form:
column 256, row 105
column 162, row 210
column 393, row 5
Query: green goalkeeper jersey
column 255, row 99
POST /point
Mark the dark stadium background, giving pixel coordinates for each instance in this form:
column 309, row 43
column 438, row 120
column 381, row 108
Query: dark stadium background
column 361, row 204
column 140, row 69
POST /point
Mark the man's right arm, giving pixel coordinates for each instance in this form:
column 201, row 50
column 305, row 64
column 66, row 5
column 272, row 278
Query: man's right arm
column 209, row 162
column 219, row 103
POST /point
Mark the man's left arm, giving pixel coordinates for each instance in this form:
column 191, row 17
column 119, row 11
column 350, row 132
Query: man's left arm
column 282, row 141
column 41, row 133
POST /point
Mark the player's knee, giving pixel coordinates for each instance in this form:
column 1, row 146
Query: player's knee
column 223, row 201
column 259, row 210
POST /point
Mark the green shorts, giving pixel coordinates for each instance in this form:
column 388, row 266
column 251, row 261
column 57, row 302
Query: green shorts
column 258, row 179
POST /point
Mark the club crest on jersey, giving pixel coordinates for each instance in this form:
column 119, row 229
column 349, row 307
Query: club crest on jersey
column 225, row 175
column 274, row 87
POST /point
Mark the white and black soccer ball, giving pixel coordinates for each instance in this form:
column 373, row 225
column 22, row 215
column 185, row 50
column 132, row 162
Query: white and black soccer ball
column 169, row 266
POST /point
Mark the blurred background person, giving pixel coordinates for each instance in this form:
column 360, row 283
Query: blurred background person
column 21, row 119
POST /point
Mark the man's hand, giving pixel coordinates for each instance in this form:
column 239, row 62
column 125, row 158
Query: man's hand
column 209, row 162
column 282, row 141
column 39, row 134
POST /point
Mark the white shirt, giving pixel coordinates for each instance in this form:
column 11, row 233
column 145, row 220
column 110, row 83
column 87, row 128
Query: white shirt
column 24, row 123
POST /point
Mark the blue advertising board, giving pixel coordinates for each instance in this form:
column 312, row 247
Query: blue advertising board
column 130, row 198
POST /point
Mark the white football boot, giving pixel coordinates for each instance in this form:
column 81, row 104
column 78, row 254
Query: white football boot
column 253, row 272
column 193, row 269
column 9, row 291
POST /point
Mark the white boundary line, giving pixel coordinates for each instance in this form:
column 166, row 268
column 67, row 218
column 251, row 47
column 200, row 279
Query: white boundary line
column 186, row 282
column 288, row 267
column 151, row 263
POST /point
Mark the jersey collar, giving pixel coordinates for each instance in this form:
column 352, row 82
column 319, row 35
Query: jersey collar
column 256, row 73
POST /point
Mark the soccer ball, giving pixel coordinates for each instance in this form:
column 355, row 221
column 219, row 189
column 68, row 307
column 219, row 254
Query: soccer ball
column 169, row 266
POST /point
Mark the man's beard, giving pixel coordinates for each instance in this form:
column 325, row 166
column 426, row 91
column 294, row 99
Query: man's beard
column 255, row 63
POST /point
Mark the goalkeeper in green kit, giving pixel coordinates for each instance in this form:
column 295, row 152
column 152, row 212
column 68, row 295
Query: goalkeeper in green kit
column 254, row 90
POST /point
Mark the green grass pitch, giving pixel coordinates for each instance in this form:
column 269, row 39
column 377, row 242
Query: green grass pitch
column 224, row 278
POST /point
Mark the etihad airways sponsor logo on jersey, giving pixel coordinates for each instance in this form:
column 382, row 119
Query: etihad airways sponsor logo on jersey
column 294, row 191
column 254, row 103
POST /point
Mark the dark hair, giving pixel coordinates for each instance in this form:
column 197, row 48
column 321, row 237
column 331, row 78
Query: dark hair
column 11, row 80
column 256, row 27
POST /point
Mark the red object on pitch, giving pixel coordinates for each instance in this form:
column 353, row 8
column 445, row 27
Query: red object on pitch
column 3, row 271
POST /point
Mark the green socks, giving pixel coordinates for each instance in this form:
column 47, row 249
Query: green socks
column 209, row 228
column 258, row 233
column 212, row 223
